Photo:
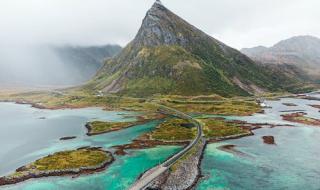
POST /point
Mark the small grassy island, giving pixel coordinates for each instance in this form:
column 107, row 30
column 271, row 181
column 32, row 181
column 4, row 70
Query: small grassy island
column 220, row 129
column 100, row 127
column 175, row 131
column 301, row 118
column 75, row 162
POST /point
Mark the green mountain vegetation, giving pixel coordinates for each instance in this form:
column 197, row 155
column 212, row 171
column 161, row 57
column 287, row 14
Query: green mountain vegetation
column 170, row 56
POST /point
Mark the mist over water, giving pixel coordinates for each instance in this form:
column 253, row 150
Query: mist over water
column 27, row 25
column 33, row 65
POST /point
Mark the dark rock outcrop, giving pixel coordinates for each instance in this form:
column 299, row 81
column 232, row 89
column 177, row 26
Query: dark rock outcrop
column 269, row 140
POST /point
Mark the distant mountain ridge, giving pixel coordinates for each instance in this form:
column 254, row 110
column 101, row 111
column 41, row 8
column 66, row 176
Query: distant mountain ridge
column 84, row 61
column 47, row 65
column 170, row 56
column 300, row 51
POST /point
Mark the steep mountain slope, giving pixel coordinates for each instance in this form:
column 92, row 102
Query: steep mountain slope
column 301, row 51
column 84, row 61
column 170, row 56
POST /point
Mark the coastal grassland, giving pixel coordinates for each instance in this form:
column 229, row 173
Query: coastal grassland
column 220, row 107
column 77, row 99
column 62, row 163
column 100, row 127
column 72, row 160
column 219, row 128
column 74, row 98
column 174, row 129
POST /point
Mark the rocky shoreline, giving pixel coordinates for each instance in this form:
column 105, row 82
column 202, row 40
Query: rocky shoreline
column 90, row 133
column 179, row 179
column 140, row 121
column 144, row 142
column 232, row 149
column 184, row 174
column 10, row 180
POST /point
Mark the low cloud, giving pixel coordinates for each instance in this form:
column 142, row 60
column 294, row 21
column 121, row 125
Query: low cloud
column 242, row 23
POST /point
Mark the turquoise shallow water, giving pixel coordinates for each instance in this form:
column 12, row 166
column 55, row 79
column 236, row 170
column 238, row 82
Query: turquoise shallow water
column 26, row 137
column 120, row 175
column 293, row 164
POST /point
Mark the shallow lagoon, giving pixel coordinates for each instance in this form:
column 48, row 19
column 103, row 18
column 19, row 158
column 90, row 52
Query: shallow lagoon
column 29, row 133
column 293, row 163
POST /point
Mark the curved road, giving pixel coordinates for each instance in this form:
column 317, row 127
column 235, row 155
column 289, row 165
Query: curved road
column 153, row 173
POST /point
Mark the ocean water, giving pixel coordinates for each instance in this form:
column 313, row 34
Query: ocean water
column 25, row 136
column 293, row 163
column 120, row 175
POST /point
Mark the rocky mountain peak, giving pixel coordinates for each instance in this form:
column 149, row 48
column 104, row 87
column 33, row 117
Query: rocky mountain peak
column 162, row 27
column 158, row 2
column 171, row 56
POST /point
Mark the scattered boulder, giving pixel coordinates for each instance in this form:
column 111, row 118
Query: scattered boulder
column 290, row 104
column 269, row 140
column 120, row 152
column 67, row 138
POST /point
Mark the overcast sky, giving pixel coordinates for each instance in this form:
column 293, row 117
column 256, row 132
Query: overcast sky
column 239, row 23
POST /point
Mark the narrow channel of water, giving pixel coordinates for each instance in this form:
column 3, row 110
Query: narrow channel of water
column 293, row 163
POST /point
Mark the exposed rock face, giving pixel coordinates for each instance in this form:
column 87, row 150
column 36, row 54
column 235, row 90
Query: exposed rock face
column 184, row 174
column 170, row 56
column 162, row 27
